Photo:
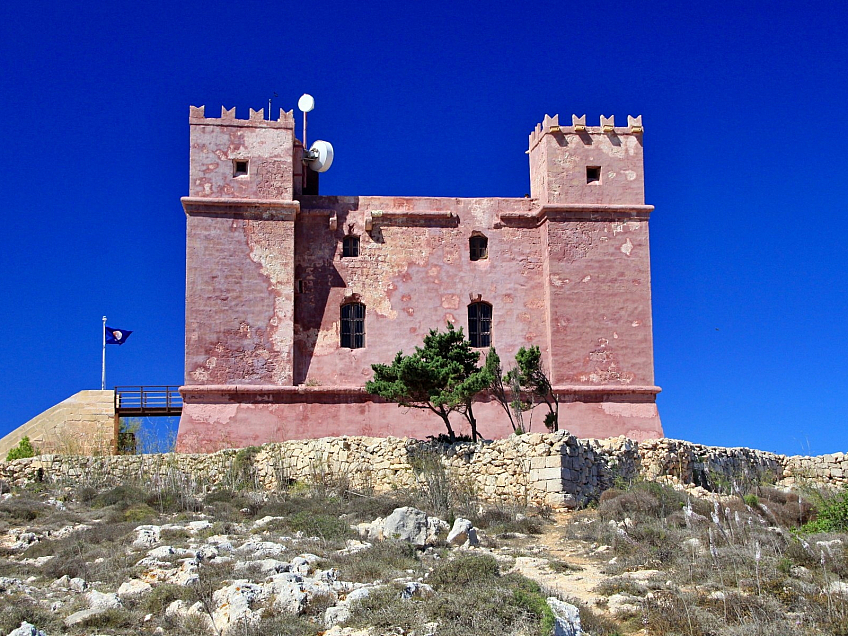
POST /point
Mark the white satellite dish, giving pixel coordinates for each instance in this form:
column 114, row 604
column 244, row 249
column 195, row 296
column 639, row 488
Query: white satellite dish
column 320, row 156
column 306, row 103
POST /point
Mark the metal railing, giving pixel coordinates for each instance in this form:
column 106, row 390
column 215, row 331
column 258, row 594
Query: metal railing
column 148, row 400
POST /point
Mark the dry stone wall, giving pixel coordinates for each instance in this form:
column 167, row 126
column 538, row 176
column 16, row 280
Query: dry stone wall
column 557, row 469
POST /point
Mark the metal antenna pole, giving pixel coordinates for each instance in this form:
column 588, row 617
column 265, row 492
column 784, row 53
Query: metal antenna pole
column 103, row 366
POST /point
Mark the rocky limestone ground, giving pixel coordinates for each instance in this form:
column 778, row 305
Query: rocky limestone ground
column 176, row 557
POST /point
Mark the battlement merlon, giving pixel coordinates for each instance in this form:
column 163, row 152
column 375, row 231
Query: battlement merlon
column 551, row 126
column 197, row 117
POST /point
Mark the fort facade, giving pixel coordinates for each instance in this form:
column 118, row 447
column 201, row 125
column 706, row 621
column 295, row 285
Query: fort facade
column 292, row 295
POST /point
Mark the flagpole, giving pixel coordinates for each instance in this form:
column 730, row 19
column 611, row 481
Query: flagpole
column 103, row 366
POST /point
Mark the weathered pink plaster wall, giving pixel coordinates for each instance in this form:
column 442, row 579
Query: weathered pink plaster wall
column 568, row 270
column 413, row 274
column 226, row 417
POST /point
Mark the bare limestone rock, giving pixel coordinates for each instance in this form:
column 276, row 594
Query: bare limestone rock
column 133, row 587
column 288, row 592
column 147, row 536
column 100, row 601
column 237, row 604
column 27, row 629
column 340, row 612
column 407, row 524
column 567, row 618
column 463, row 533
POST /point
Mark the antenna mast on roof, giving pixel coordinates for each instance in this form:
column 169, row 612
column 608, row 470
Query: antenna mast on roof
column 306, row 103
column 319, row 157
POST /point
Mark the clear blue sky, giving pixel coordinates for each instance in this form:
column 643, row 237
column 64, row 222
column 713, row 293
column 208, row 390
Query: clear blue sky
column 744, row 107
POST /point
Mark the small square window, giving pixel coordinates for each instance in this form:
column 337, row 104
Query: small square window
column 240, row 168
column 593, row 174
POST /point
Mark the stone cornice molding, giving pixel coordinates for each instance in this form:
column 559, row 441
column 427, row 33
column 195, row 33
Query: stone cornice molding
column 262, row 209
column 580, row 212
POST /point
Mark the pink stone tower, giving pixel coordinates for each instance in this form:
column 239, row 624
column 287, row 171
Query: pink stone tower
column 292, row 295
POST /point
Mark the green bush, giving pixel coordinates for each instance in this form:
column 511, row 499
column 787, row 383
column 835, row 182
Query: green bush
column 22, row 450
column 464, row 570
column 14, row 610
column 385, row 560
column 831, row 514
column 320, row 525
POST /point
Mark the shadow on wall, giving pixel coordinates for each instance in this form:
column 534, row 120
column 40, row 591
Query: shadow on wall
column 317, row 275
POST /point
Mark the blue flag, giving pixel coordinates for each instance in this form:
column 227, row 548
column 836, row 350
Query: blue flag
column 116, row 336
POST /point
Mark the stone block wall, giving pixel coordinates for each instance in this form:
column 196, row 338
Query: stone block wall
column 557, row 470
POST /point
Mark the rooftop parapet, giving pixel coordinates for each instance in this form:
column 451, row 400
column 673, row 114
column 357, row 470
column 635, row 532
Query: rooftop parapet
column 550, row 125
column 196, row 115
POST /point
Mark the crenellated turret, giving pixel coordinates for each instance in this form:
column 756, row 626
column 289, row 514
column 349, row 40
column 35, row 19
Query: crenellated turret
column 242, row 158
column 587, row 164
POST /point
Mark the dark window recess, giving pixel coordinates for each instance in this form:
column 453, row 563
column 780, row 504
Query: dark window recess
column 299, row 286
column 350, row 247
column 593, row 174
column 239, row 168
column 480, row 324
column 353, row 326
column 478, row 247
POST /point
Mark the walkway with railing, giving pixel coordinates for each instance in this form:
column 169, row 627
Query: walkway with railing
column 144, row 401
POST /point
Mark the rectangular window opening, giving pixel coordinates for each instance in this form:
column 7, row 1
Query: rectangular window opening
column 593, row 174
column 480, row 324
column 350, row 246
column 353, row 326
column 240, row 168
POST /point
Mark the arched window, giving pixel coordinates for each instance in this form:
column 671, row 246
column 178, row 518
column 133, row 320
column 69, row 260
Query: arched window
column 480, row 324
column 478, row 247
column 353, row 326
column 350, row 246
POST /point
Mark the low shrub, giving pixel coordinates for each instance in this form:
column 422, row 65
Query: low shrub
column 15, row 609
column 507, row 521
column 24, row 508
column 114, row 618
column 617, row 585
column 122, row 497
column 592, row 622
column 384, row 561
column 157, row 600
column 489, row 604
column 278, row 626
column 560, row 566
column 325, row 526
column 831, row 513
column 463, row 570
column 23, row 450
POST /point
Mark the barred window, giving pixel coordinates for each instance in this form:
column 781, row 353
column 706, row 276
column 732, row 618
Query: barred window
column 353, row 326
column 350, row 246
column 478, row 247
column 480, row 324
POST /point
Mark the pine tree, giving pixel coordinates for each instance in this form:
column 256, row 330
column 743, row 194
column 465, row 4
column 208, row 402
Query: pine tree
column 442, row 376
